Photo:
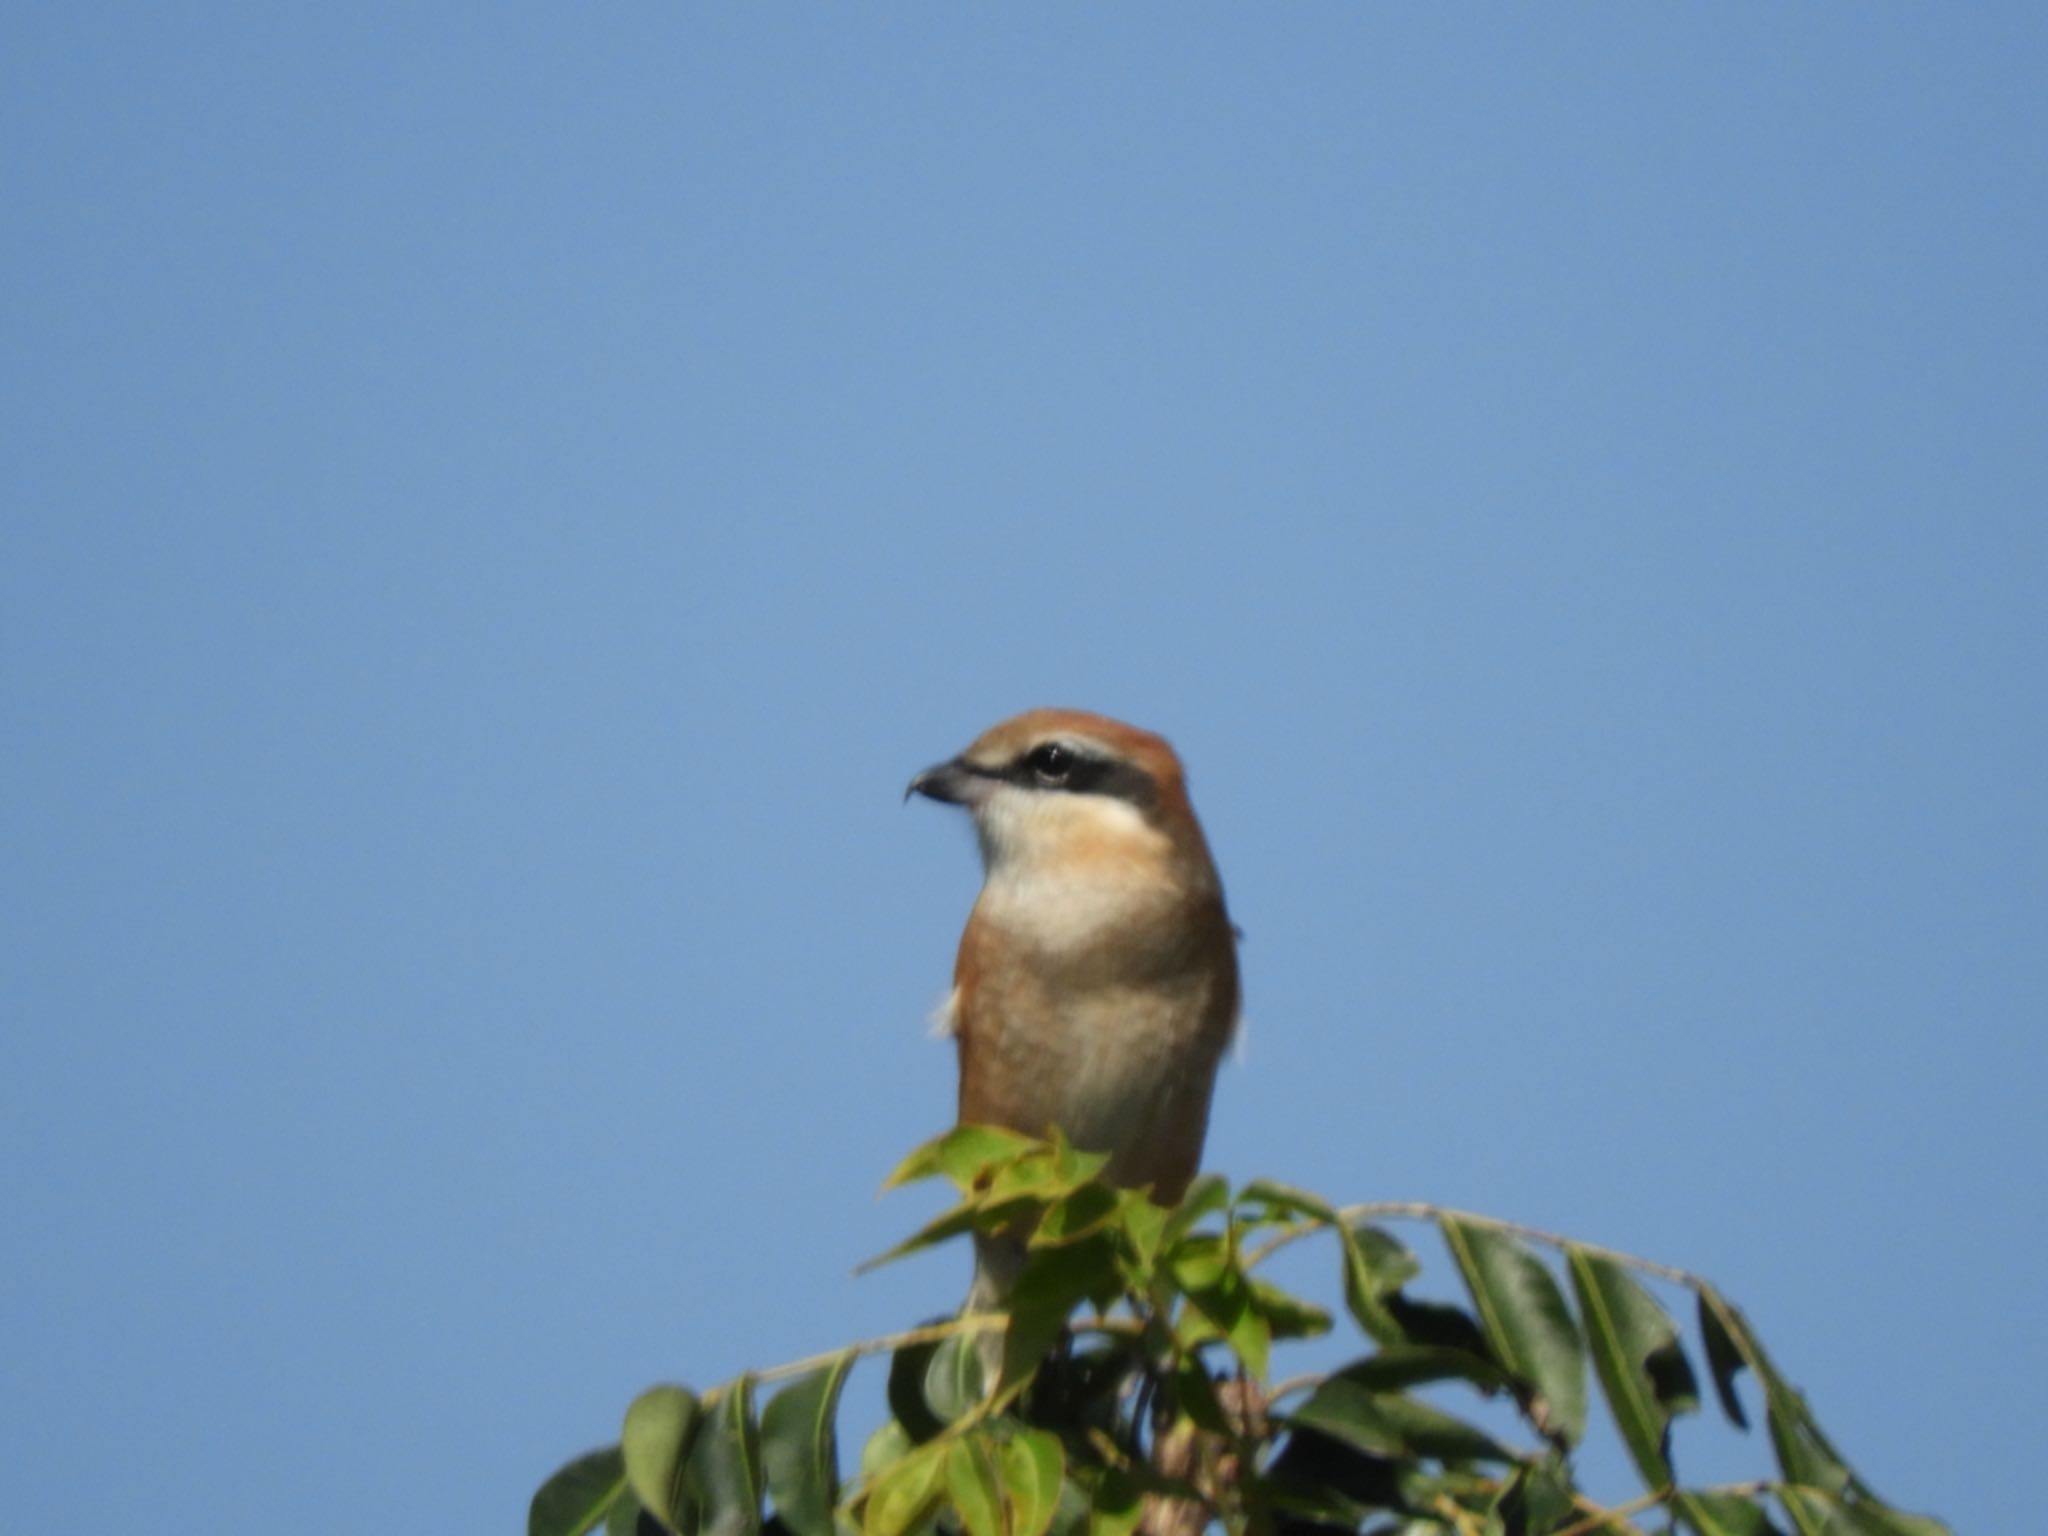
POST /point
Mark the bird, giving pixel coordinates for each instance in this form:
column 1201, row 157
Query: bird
column 1096, row 987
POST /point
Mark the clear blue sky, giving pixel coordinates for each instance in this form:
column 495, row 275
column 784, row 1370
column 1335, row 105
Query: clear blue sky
column 498, row 500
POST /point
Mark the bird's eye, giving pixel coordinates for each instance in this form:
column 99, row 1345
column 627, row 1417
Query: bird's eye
column 1051, row 762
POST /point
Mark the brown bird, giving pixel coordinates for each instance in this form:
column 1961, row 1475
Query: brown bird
column 1096, row 985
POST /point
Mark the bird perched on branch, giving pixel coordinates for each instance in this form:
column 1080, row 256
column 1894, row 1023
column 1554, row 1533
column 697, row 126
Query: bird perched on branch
column 1096, row 985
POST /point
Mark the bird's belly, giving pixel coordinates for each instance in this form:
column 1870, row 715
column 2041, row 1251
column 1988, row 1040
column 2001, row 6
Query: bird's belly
column 1127, row 1074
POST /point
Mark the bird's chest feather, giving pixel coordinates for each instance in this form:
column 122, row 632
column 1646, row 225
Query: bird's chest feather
column 1092, row 1005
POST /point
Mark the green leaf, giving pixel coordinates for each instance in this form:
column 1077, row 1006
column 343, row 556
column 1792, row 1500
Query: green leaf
column 800, row 1448
column 1393, row 1424
column 1635, row 1349
column 889, row 1444
column 661, row 1426
column 953, row 1385
column 1526, row 1322
column 979, row 1214
column 1363, row 1293
column 724, row 1471
column 1724, row 1358
column 1722, row 1514
column 579, row 1495
column 1032, row 1467
column 933, row 1383
column 623, row 1518
column 973, row 1485
column 1144, row 1224
column 1286, row 1200
column 1115, row 1505
column 1288, row 1316
column 1051, row 1284
column 1217, row 1292
column 1207, row 1195
column 905, row 1491
column 1802, row 1458
column 1376, row 1266
column 1083, row 1213
column 1538, row 1497
column 964, row 1155
column 1409, row 1365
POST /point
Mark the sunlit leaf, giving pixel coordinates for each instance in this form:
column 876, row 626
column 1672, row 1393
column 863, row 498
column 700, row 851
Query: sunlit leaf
column 1080, row 1214
column 905, row 1491
column 661, row 1426
column 976, row 1214
column 975, row 1487
column 1635, row 1350
column 963, row 1155
column 1144, row 1225
column 1032, row 1467
column 579, row 1495
column 1525, row 1320
column 800, row 1448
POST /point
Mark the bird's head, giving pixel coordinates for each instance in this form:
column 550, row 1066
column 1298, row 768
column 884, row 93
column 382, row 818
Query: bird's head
column 1062, row 789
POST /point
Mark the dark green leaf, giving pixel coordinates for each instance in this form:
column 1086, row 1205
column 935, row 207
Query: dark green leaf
column 1328, row 1481
column 579, row 1495
column 724, row 1471
column 1437, row 1325
column 1724, row 1359
column 626, row 1518
column 1527, row 1324
column 1289, row 1316
column 1365, row 1289
column 800, row 1448
column 1723, row 1514
column 1115, row 1505
column 1052, row 1283
column 964, row 1155
column 1801, row 1458
column 1635, row 1349
column 1537, row 1498
column 1032, row 1467
column 1409, row 1365
column 661, row 1426
column 1393, row 1424
column 909, row 1388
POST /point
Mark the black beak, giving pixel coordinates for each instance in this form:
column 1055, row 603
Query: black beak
column 952, row 782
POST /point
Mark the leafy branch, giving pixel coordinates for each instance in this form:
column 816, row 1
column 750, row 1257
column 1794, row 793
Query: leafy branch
column 1150, row 1410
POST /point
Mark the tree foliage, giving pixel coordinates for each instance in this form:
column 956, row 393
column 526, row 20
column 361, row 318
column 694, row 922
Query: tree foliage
column 1129, row 1387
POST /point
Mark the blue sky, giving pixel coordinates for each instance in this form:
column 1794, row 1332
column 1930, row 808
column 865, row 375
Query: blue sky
column 498, row 500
